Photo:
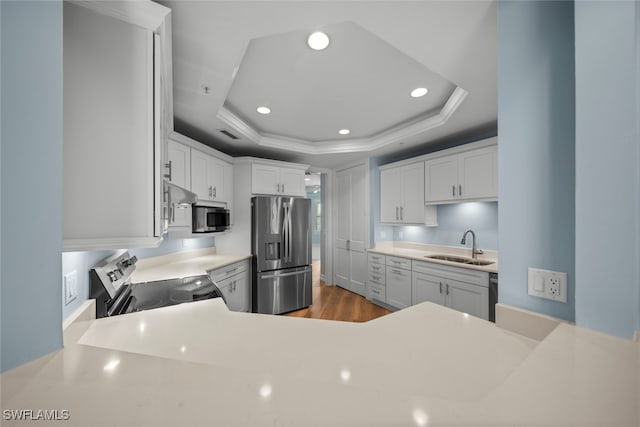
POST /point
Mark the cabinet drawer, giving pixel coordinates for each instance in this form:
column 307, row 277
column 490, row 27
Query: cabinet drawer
column 393, row 261
column 397, row 272
column 228, row 271
column 377, row 268
column 377, row 292
column 462, row 274
column 377, row 277
column 376, row 258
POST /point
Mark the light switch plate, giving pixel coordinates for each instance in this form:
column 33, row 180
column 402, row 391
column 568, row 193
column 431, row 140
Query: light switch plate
column 70, row 287
column 547, row 284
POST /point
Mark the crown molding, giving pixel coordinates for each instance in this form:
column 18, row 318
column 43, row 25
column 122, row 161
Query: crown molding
column 354, row 145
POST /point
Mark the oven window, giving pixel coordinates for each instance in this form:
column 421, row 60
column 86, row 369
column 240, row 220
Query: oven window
column 217, row 219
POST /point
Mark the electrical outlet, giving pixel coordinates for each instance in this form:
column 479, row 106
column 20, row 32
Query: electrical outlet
column 547, row 284
column 70, row 287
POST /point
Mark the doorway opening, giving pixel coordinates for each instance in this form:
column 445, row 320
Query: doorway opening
column 313, row 185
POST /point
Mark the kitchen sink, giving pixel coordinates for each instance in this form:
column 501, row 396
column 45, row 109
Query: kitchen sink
column 461, row 260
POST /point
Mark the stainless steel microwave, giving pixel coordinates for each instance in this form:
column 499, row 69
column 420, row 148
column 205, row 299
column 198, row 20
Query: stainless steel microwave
column 209, row 219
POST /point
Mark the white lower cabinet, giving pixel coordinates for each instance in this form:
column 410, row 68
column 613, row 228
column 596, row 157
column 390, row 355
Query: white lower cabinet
column 233, row 282
column 376, row 277
column 402, row 282
column 398, row 282
column 461, row 289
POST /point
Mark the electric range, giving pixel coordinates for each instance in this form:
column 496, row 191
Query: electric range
column 110, row 285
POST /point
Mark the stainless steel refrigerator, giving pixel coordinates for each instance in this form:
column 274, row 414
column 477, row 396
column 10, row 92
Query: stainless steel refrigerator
column 281, row 245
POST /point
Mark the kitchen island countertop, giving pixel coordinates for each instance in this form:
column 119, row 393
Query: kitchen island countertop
column 199, row 364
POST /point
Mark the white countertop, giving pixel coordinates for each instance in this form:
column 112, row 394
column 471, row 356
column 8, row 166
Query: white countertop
column 419, row 251
column 183, row 264
column 199, row 364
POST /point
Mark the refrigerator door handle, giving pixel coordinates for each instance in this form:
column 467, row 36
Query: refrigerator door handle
column 289, row 234
column 275, row 276
column 285, row 231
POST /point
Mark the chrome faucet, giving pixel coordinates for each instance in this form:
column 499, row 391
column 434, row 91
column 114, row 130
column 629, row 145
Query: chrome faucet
column 474, row 251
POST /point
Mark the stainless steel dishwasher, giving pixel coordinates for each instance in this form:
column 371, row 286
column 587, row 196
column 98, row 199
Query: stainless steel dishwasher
column 493, row 295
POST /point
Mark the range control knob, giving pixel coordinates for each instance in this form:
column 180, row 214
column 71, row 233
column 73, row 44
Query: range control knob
column 129, row 261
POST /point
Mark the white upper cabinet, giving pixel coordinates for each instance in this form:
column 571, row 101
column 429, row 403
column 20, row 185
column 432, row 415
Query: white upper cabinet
column 402, row 195
column 478, row 174
column 211, row 177
column 117, row 109
column 179, row 167
column 277, row 180
column 390, row 195
column 469, row 175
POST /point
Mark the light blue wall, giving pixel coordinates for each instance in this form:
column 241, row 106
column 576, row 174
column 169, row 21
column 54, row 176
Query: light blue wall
column 82, row 262
column 607, row 166
column 536, row 142
column 31, row 180
column 453, row 221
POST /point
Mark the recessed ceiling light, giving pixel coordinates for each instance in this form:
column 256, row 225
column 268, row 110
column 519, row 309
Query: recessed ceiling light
column 344, row 131
column 418, row 92
column 318, row 40
column 307, row 179
column 263, row 110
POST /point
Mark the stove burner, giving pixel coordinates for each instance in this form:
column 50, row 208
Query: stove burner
column 150, row 304
column 178, row 297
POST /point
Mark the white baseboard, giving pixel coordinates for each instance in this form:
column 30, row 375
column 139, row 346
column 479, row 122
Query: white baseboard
column 524, row 322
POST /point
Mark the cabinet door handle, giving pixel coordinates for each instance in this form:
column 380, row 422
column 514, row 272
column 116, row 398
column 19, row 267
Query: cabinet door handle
column 277, row 188
column 460, row 190
column 231, row 271
column 283, row 188
column 210, row 192
column 397, row 212
column 396, row 271
column 447, row 289
column 168, row 166
column 453, row 190
column 440, row 287
column 401, row 214
column 215, row 192
column 376, row 277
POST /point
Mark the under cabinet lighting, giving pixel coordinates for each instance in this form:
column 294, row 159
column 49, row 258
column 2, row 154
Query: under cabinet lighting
column 318, row 40
column 418, row 92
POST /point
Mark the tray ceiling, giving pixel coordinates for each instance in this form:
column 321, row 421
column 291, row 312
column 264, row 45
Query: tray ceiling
column 231, row 57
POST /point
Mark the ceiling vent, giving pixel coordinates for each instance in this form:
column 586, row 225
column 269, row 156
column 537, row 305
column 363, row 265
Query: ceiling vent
column 228, row 134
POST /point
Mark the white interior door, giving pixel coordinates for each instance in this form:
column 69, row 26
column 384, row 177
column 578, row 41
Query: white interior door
column 357, row 241
column 350, row 261
column 343, row 229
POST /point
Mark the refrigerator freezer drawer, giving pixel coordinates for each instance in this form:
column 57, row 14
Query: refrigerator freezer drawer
column 281, row 291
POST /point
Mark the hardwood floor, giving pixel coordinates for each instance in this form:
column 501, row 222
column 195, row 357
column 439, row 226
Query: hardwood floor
column 335, row 303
